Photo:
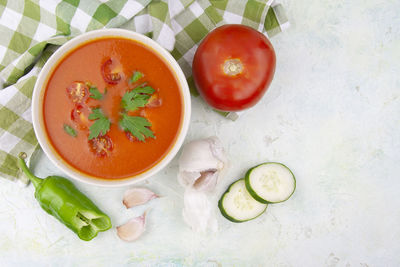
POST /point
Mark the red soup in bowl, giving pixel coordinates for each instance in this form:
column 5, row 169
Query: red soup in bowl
column 112, row 108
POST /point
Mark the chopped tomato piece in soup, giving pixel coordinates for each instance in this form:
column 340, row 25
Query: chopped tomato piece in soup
column 79, row 115
column 111, row 71
column 78, row 92
column 154, row 102
column 101, row 146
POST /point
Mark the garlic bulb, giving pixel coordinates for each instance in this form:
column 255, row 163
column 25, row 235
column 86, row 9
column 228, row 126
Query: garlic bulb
column 200, row 167
column 198, row 211
column 133, row 229
column 137, row 196
column 200, row 164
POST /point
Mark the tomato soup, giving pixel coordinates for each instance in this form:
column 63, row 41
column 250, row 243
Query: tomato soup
column 112, row 108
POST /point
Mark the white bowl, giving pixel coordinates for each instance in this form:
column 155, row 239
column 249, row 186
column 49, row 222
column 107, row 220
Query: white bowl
column 38, row 96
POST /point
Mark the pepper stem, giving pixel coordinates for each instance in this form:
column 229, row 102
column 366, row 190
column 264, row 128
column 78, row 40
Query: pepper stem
column 36, row 181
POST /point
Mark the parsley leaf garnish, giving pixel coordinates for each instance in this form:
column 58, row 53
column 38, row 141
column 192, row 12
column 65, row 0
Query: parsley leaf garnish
column 136, row 98
column 137, row 126
column 69, row 130
column 101, row 125
column 137, row 75
column 95, row 93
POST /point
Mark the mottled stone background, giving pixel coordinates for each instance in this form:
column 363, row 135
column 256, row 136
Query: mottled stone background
column 332, row 114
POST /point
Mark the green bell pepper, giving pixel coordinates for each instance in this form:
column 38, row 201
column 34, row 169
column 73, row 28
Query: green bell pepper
column 59, row 197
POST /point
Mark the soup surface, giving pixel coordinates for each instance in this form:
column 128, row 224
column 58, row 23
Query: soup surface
column 112, row 108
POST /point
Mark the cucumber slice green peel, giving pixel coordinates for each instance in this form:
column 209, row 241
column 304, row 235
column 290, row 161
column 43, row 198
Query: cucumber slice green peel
column 237, row 205
column 270, row 182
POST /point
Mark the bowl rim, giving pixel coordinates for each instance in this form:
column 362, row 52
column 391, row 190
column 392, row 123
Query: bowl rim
column 40, row 88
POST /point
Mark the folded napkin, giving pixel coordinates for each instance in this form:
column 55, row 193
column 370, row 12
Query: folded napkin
column 32, row 30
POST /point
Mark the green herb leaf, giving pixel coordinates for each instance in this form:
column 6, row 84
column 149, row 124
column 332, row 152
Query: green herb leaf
column 101, row 125
column 95, row 93
column 96, row 114
column 144, row 90
column 69, row 130
column 137, row 126
column 136, row 98
column 137, row 75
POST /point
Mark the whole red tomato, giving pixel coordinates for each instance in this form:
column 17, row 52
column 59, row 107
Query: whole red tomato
column 233, row 67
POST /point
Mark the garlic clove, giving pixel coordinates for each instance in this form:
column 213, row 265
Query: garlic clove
column 137, row 196
column 218, row 150
column 203, row 160
column 187, row 178
column 133, row 229
column 207, row 181
column 197, row 156
column 198, row 211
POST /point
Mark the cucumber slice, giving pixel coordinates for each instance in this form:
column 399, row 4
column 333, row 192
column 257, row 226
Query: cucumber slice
column 237, row 205
column 270, row 182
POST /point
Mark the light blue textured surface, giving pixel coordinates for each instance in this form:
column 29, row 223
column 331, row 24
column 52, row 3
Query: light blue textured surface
column 332, row 115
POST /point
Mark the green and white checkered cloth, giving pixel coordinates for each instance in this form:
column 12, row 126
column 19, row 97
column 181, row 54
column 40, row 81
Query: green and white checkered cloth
column 31, row 30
